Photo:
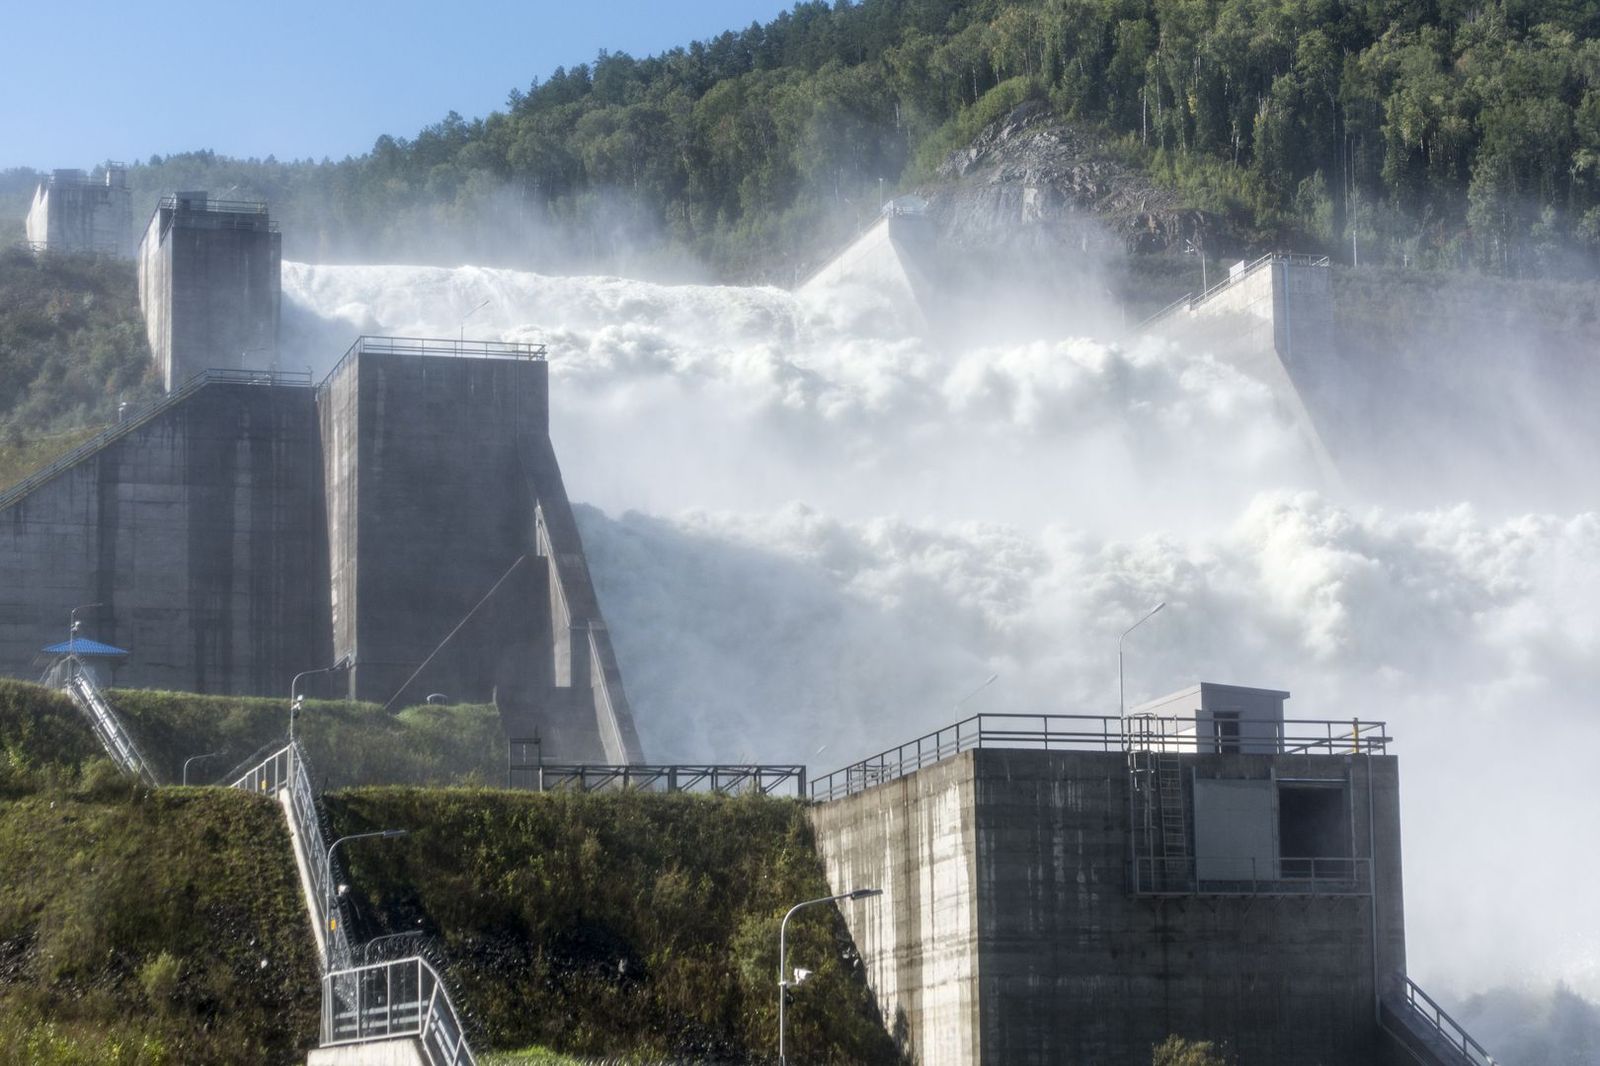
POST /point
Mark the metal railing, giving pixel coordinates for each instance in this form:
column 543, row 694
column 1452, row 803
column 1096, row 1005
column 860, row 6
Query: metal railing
column 527, row 351
column 137, row 417
column 719, row 779
column 174, row 202
column 1252, row 876
column 1189, row 301
column 1082, row 732
column 1431, row 1014
column 285, row 769
column 406, row 998
column 393, row 1000
column 72, row 676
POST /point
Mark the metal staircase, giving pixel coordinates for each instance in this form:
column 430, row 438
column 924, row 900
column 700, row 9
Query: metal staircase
column 1424, row 1029
column 404, row 999
column 75, row 679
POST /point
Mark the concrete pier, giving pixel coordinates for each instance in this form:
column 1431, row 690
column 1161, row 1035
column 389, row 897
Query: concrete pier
column 210, row 286
column 73, row 213
column 1012, row 931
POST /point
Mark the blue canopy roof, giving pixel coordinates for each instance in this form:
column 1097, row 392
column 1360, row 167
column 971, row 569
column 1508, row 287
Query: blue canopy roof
column 83, row 646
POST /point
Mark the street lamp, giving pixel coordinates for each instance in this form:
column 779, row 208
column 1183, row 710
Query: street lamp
column 297, row 702
column 1192, row 248
column 462, row 339
column 1122, row 707
column 72, row 630
column 784, row 983
column 991, row 679
column 329, row 922
column 194, row 758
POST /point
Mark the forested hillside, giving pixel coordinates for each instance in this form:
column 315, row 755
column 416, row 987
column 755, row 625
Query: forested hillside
column 1430, row 132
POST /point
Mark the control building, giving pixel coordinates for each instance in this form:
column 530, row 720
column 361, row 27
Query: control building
column 1075, row 889
column 73, row 213
column 210, row 286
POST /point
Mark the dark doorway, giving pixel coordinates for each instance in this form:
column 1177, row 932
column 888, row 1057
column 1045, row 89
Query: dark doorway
column 1313, row 831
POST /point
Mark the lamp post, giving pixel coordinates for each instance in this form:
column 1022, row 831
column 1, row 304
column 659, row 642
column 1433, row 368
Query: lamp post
column 72, row 630
column 329, row 923
column 296, row 701
column 194, row 758
column 1194, row 249
column 783, row 958
column 462, row 338
column 1122, row 707
column 991, row 679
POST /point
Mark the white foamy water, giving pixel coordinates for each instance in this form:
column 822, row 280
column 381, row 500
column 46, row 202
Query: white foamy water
column 813, row 535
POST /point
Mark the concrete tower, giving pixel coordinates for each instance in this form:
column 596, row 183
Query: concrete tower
column 72, row 213
column 209, row 286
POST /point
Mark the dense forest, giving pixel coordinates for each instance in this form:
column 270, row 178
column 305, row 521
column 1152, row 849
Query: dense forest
column 1438, row 133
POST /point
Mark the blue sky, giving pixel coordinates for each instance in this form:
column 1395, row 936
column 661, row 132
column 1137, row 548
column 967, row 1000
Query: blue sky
column 293, row 78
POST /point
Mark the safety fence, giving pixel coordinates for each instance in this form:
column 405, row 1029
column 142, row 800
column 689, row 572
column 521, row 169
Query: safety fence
column 1155, row 875
column 1189, row 301
column 722, row 779
column 392, row 1001
column 285, row 771
column 1081, row 732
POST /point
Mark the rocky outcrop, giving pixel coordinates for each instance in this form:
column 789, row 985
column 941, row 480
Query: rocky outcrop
column 1036, row 180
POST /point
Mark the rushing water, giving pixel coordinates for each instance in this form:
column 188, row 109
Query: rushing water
column 813, row 535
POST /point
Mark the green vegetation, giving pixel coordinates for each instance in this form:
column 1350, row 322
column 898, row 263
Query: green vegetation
column 1424, row 132
column 346, row 743
column 1176, row 1051
column 139, row 927
column 571, row 925
column 645, row 925
column 72, row 347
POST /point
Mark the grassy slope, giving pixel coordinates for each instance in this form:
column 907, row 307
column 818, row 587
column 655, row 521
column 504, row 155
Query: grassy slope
column 591, row 925
column 135, row 926
column 629, row 923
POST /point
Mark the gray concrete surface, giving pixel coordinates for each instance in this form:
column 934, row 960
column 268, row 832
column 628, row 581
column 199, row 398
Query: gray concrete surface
column 409, row 514
column 1009, row 932
column 72, row 213
column 210, row 286
column 407, row 1052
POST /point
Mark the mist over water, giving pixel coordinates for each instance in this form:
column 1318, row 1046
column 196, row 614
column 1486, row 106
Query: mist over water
column 814, row 533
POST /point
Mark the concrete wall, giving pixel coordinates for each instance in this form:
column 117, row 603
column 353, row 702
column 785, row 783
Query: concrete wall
column 200, row 532
column 1274, row 323
column 1018, row 862
column 428, row 509
column 73, row 214
column 210, row 288
column 408, row 514
column 890, row 258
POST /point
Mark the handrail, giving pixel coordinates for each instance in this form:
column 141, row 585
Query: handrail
column 527, row 351
column 1155, row 875
column 1189, row 301
column 235, row 207
column 118, row 742
column 718, row 778
column 390, row 1000
column 438, row 1026
column 1431, row 1013
column 1083, row 732
column 285, row 769
column 142, row 415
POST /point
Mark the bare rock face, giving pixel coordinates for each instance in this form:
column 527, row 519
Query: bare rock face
column 1032, row 179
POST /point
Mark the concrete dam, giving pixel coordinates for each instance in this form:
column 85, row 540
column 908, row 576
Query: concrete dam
column 1066, row 888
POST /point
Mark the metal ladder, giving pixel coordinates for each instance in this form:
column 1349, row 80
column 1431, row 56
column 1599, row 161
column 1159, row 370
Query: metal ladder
column 74, row 679
column 1174, row 821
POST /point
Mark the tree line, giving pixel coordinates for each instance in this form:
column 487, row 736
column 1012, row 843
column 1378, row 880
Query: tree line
column 1440, row 133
